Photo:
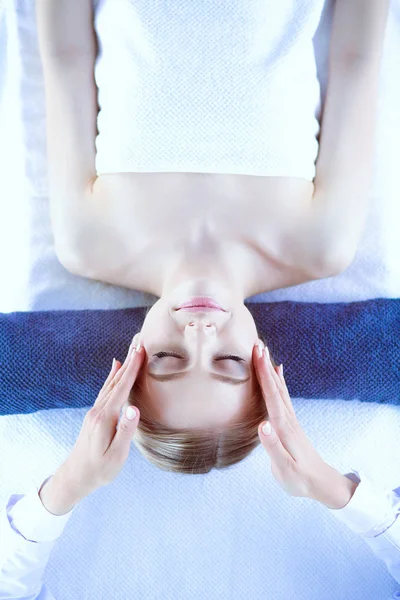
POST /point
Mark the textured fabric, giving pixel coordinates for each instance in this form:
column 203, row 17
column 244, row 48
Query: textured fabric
column 35, row 280
column 225, row 535
column 23, row 517
column 208, row 87
column 337, row 351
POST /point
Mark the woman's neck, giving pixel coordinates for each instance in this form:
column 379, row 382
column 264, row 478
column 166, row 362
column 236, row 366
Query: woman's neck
column 204, row 266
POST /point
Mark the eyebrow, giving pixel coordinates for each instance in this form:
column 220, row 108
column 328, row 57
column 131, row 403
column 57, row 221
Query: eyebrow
column 181, row 375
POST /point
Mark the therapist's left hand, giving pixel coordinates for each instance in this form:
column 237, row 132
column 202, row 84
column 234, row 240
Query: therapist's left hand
column 295, row 464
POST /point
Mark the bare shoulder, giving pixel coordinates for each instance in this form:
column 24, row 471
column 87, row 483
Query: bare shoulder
column 102, row 246
column 124, row 227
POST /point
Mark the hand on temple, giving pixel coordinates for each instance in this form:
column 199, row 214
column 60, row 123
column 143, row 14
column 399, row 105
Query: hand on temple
column 295, row 464
column 101, row 449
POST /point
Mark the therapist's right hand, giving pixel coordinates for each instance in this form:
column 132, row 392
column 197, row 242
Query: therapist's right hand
column 295, row 464
column 102, row 449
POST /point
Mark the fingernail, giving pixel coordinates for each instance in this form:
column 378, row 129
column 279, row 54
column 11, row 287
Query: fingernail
column 266, row 428
column 113, row 364
column 132, row 348
column 259, row 349
column 281, row 368
column 130, row 413
column 266, row 353
column 137, row 345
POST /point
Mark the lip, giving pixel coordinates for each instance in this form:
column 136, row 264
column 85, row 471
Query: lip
column 201, row 309
column 203, row 304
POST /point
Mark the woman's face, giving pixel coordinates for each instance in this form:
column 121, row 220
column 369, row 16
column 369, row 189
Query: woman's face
column 200, row 387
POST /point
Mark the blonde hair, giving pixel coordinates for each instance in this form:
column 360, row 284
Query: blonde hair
column 197, row 450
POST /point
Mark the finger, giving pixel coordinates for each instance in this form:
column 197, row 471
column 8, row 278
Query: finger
column 276, row 407
column 134, row 344
column 283, row 390
column 286, row 396
column 275, row 373
column 119, row 394
column 273, row 445
column 115, row 377
column 114, row 370
column 280, row 382
column 123, row 438
column 124, row 367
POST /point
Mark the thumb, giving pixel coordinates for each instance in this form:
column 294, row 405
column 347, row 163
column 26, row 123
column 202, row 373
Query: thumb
column 272, row 444
column 126, row 428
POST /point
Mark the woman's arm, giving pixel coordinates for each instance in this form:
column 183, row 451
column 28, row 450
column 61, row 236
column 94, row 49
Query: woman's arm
column 347, row 141
column 68, row 52
column 65, row 28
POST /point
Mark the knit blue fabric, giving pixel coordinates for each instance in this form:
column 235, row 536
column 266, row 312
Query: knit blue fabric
column 344, row 351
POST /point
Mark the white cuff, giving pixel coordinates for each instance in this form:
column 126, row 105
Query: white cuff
column 371, row 510
column 33, row 521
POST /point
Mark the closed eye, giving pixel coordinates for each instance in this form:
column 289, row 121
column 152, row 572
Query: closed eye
column 227, row 357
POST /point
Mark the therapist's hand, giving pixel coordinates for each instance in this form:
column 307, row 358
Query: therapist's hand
column 101, row 449
column 295, row 464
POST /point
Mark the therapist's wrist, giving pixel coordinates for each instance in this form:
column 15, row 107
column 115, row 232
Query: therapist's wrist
column 334, row 490
column 59, row 495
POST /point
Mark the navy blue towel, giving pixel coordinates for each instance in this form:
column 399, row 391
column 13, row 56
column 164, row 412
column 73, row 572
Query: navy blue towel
column 60, row 359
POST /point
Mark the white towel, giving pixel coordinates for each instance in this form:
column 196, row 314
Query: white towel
column 208, row 87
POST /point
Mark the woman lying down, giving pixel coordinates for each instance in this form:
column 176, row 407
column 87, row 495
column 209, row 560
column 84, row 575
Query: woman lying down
column 203, row 209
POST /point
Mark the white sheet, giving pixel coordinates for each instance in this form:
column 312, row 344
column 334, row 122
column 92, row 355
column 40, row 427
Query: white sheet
column 152, row 534
column 222, row 536
column 34, row 279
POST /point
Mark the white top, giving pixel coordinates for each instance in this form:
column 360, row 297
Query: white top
column 211, row 87
column 28, row 533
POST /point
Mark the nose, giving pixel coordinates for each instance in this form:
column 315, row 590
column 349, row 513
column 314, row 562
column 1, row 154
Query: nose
column 207, row 326
column 200, row 331
column 201, row 326
column 199, row 335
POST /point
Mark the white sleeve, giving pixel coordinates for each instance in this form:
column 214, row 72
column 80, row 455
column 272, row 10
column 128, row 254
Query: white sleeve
column 28, row 533
column 373, row 513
